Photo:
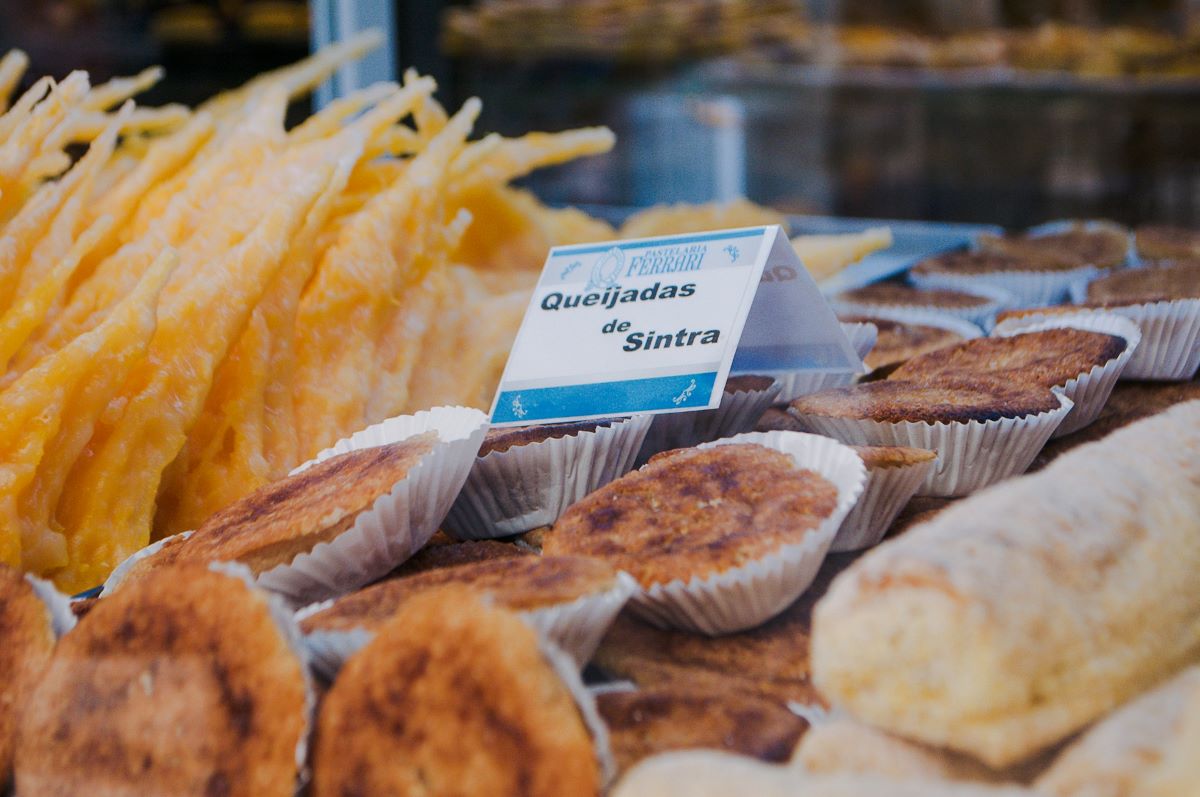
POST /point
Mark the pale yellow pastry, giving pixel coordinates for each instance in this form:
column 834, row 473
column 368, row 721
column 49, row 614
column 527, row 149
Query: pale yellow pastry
column 1018, row 616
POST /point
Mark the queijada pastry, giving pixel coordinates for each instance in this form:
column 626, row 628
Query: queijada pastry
column 1017, row 617
column 898, row 341
column 721, row 537
column 456, row 696
column 187, row 682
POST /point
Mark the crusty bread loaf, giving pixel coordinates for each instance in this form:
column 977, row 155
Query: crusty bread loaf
column 712, row 774
column 1135, row 748
column 1018, row 616
column 846, row 746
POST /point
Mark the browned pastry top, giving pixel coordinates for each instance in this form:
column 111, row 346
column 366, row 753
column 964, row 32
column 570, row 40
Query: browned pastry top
column 1069, row 249
column 1163, row 242
column 887, row 457
column 1049, row 358
column 529, row 582
column 646, row 722
column 895, row 293
column 898, row 341
column 770, row 661
column 452, row 697
column 180, row 683
column 1150, row 284
column 745, row 383
column 952, row 400
column 450, row 554
column 515, row 436
column 696, row 512
column 26, row 640
column 990, row 261
column 276, row 522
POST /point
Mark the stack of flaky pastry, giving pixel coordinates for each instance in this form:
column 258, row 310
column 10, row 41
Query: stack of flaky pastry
column 1040, row 637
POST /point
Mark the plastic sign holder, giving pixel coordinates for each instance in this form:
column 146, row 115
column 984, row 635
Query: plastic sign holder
column 657, row 325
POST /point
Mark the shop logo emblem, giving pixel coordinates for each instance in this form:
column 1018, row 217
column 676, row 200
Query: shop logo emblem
column 606, row 271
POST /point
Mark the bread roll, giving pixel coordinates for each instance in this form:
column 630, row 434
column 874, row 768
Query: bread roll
column 1141, row 746
column 846, row 746
column 1018, row 616
column 711, row 774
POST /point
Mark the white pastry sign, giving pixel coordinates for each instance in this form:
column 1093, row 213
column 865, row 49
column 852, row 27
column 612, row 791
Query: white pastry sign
column 657, row 325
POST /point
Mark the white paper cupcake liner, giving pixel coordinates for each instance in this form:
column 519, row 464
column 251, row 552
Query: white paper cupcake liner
column 738, row 413
column 286, row 623
column 576, row 627
column 885, row 493
column 400, row 522
column 794, row 384
column 749, row 595
column 1028, row 288
column 513, row 491
column 117, row 576
column 568, row 672
column 62, row 619
column 1170, row 347
column 971, row 455
column 1091, row 389
column 981, row 316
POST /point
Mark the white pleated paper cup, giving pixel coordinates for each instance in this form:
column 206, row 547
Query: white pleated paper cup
column 1170, row 347
column 748, row 595
column 585, row 702
column 510, row 492
column 1028, row 288
column 794, row 384
column 121, row 571
column 1091, row 389
column 401, row 521
column 576, row 626
column 981, row 315
column 284, row 620
column 58, row 605
column 738, row 412
column 885, row 492
column 971, row 454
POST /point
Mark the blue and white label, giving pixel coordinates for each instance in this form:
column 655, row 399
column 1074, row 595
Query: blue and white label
column 652, row 326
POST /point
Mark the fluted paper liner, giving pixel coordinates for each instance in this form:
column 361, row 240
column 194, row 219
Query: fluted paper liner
column 1028, row 288
column 748, row 595
column 1170, row 347
column 794, row 384
column 576, row 627
column 122, row 570
column 284, row 621
column 399, row 523
column 568, row 672
column 738, row 413
column 971, row 454
column 58, row 605
column 885, row 493
column 981, row 316
column 513, row 491
column 1091, row 389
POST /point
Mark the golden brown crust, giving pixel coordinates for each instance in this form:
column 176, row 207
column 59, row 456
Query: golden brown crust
column 497, row 440
column 1150, row 284
column 452, row 697
column 452, row 554
column 746, row 383
column 952, row 400
column 888, row 457
column 770, row 661
column 26, row 642
column 900, row 295
column 273, row 524
column 522, row 584
column 1049, row 358
column 696, row 512
column 1163, row 242
column 1073, row 248
column 179, row 684
column 898, row 342
column 647, row 722
column 776, row 419
column 989, row 262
